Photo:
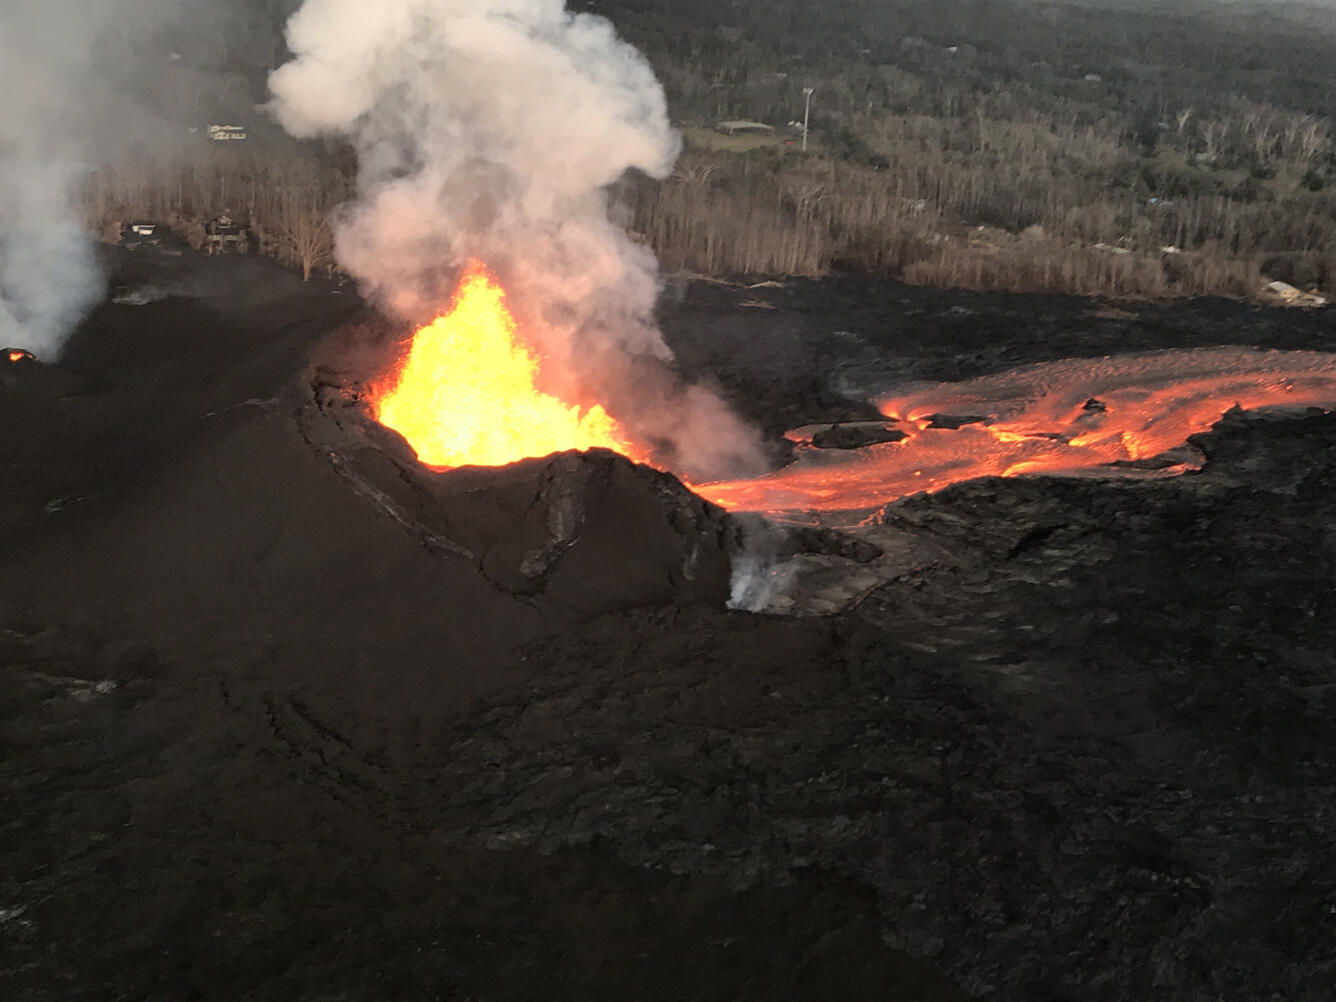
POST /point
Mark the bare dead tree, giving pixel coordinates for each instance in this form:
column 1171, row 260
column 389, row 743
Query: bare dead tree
column 305, row 233
column 1307, row 138
column 1211, row 136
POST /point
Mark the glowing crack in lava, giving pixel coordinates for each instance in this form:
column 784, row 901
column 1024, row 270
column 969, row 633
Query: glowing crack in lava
column 1116, row 416
column 464, row 394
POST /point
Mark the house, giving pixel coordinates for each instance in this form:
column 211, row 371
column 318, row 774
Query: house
column 744, row 128
column 227, row 133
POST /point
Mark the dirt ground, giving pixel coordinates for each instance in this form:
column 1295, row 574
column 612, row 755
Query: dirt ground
column 266, row 734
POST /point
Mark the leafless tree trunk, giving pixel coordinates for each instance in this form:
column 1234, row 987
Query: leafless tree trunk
column 305, row 230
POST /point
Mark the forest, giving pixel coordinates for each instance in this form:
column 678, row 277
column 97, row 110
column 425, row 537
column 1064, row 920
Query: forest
column 1120, row 148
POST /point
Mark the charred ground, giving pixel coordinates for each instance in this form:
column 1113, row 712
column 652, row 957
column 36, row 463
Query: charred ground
column 261, row 740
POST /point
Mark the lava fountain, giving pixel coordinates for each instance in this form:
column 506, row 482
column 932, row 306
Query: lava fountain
column 465, row 391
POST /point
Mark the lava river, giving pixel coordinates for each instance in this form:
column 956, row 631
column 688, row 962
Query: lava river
column 1127, row 415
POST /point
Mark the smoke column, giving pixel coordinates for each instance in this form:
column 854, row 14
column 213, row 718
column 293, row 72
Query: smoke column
column 74, row 75
column 493, row 129
column 48, row 275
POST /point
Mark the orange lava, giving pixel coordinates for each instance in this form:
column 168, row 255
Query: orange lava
column 18, row 354
column 1118, row 416
column 465, row 394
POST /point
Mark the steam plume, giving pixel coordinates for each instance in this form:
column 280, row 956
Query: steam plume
column 494, row 129
column 48, row 276
column 75, row 77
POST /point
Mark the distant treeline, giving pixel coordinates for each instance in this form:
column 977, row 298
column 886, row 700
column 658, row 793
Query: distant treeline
column 285, row 199
column 1015, row 206
column 1124, row 149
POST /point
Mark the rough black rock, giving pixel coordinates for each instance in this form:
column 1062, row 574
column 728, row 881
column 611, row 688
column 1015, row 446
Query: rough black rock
column 855, row 436
column 266, row 737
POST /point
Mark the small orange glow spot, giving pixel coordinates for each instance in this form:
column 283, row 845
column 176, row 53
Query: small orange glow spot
column 1008, row 436
column 1025, row 466
column 18, row 354
column 464, row 394
column 1134, row 446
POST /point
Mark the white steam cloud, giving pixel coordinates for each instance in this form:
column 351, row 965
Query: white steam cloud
column 493, row 129
column 48, row 275
column 73, row 75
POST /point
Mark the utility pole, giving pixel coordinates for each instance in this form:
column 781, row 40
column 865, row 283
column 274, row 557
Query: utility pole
column 807, row 108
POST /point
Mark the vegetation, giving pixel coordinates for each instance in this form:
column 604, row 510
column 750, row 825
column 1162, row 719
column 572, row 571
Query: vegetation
column 287, row 199
column 1121, row 148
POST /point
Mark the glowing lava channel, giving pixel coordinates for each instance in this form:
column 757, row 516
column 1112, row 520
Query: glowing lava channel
column 1125, row 416
column 465, row 394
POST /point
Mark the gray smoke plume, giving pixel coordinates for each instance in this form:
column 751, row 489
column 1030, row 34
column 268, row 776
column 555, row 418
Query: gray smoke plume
column 493, row 129
column 48, row 275
column 74, row 75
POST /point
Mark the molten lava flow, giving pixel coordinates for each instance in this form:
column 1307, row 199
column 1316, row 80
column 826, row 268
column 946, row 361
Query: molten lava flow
column 1120, row 416
column 464, row 393
column 18, row 354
